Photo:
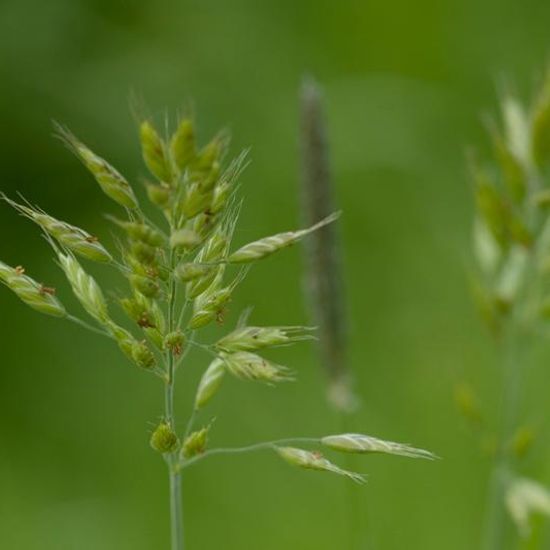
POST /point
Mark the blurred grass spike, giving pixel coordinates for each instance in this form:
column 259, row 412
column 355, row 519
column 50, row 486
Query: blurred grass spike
column 524, row 498
column 364, row 444
column 323, row 277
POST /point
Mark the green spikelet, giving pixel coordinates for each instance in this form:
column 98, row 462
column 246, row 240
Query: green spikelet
column 210, row 383
column 112, row 183
column 154, row 152
column 75, row 239
column 85, row 288
column 263, row 248
column 35, row 295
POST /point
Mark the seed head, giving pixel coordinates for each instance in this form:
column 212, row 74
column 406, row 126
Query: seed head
column 262, row 248
column 250, row 366
column 75, row 239
column 210, row 383
column 163, row 439
column 252, row 338
column 112, row 183
column 315, row 461
column 34, row 294
column 363, row 444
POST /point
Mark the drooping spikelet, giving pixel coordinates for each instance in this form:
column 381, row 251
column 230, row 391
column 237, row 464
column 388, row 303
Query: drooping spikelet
column 363, row 444
column 35, row 295
column 262, row 248
column 315, row 461
column 75, row 239
column 112, row 183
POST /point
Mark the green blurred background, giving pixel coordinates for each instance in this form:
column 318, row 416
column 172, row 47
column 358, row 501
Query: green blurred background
column 405, row 84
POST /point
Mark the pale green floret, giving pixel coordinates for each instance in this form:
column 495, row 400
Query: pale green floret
column 112, row 183
column 315, row 461
column 210, row 383
column 262, row 248
column 84, row 287
column 252, row 338
column 250, row 366
column 363, row 444
column 33, row 294
column 75, row 239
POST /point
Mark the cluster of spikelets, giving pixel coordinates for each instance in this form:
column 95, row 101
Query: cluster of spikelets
column 177, row 278
column 512, row 251
column 512, row 227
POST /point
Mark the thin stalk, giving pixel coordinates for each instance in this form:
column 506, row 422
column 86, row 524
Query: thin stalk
column 249, row 448
column 176, row 511
column 87, row 326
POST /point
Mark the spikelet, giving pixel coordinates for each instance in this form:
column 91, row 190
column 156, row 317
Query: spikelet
column 211, row 304
column 112, row 183
column 75, row 239
column 140, row 231
column 188, row 271
column 315, row 461
column 250, row 366
column 195, row 443
column 35, row 295
column 210, row 383
column 182, row 144
column 84, row 287
column 262, row 248
column 163, row 439
column 363, row 444
column 252, row 338
column 155, row 152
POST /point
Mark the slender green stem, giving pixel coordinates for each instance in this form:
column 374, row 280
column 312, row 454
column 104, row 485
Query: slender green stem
column 176, row 511
column 249, row 448
column 87, row 326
